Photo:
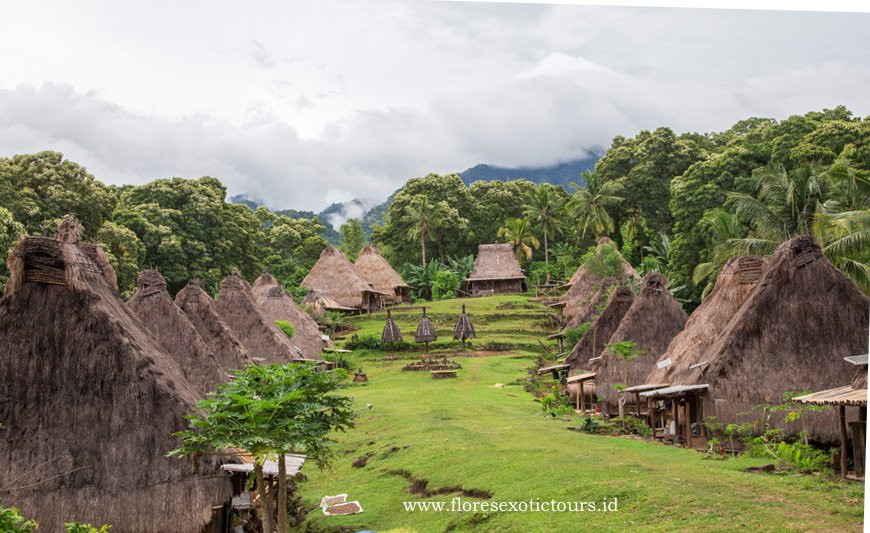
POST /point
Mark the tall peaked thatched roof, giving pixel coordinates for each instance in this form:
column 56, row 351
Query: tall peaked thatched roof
column 174, row 333
column 425, row 330
column 584, row 284
column 495, row 261
column 791, row 334
column 587, row 311
column 320, row 301
column 259, row 335
column 277, row 304
column 391, row 331
column 96, row 401
column 199, row 308
column 335, row 276
column 651, row 322
column 708, row 321
column 601, row 329
column 378, row 271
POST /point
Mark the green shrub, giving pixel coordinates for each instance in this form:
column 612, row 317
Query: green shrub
column 772, row 444
column 573, row 336
column 445, row 283
column 371, row 341
column 635, row 426
column 286, row 327
column 604, row 262
column 11, row 521
column 75, row 527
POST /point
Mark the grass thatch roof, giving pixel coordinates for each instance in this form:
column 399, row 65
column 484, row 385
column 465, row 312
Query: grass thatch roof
column 277, row 304
column 258, row 334
column 652, row 321
column 425, row 330
column 791, row 334
column 391, row 331
column 463, row 329
column 90, row 402
column 335, row 276
column 709, row 320
column 174, row 333
column 601, row 329
column 378, row 272
column 319, row 302
column 199, row 308
column 584, row 284
column 589, row 309
column 495, row 261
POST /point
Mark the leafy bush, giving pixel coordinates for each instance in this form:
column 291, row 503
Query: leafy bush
column 772, row 444
column 445, row 283
column 373, row 342
column 635, row 426
column 75, row 527
column 573, row 336
column 604, row 263
column 333, row 322
column 11, row 521
column 286, row 327
column 554, row 404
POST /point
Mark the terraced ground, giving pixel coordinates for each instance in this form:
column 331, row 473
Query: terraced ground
column 435, row 440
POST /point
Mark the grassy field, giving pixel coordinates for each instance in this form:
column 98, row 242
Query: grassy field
column 469, row 437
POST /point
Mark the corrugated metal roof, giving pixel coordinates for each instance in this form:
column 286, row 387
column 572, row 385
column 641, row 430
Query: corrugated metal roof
column 646, row 387
column 554, row 367
column 845, row 395
column 673, row 391
column 293, row 462
column 857, row 359
column 580, row 377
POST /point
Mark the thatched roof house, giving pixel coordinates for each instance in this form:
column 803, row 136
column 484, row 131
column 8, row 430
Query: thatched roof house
column 199, row 308
column 247, row 320
column 277, row 304
column 94, row 402
column 588, row 311
column 584, row 284
column 798, row 322
column 335, row 277
column 320, row 302
column 174, row 333
column 599, row 332
column 381, row 275
column 496, row 271
column 652, row 321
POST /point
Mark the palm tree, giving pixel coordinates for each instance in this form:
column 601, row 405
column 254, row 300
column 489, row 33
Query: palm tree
column 545, row 211
column 518, row 232
column 726, row 242
column 425, row 217
column 589, row 205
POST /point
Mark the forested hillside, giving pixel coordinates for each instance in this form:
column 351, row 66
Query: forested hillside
column 679, row 204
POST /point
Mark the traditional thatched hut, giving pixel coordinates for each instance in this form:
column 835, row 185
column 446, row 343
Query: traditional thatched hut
column 584, row 284
column 588, row 311
column 425, row 331
column 199, row 308
column 246, row 319
column 91, row 401
column 651, row 322
column 277, row 304
column 798, row 322
column 382, row 276
column 854, row 394
column 320, row 302
column 335, row 277
column 463, row 330
column 601, row 329
column 391, row 331
column 496, row 271
column 174, row 333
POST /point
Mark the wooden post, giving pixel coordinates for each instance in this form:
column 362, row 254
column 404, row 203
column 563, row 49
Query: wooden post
column 841, row 419
column 688, row 411
column 561, row 344
column 637, row 404
column 581, row 400
column 674, row 418
column 652, row 415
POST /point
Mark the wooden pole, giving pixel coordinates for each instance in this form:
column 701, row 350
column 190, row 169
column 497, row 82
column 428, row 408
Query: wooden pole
column 652, row 416
column 687, row 409
column 581, row 401
column 841, row 418
column 674, row 418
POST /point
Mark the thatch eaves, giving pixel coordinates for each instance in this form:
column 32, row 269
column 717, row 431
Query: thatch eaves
column 335, row 276
column 494, row 262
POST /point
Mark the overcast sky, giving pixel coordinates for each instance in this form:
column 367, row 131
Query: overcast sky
column 303, row 104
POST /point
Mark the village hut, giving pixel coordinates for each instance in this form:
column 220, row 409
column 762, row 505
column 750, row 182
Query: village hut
column 92, row 401
column 425, row 331
column 199, row 308
column 320, row 302
column 496, row 271
column 798, row 322
column 854, row 394
column 463, row 329
column 247, row 320
column 277, row 304
column 584, row 284
column 382, row 276
column 590, row 310
column 589, row 347
column 652, row 321
column 174, row 333
column 391, row 331
column 335, row 277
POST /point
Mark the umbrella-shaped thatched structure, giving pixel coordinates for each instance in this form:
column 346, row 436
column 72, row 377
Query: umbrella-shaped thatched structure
column 797, row 323
column 496, row 271
column 651, row 322
column 93, row 401
column 463, row 330
column 173, row 331
column 199, row 308
column 277, row 304
column 381, row 275
column 335, row 277
column 425, row 331
column 391, row 331
column 258, row 334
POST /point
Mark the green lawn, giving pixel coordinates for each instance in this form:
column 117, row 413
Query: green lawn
column 467, row 433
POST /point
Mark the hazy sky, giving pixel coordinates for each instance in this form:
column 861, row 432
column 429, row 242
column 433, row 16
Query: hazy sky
column 302, row 104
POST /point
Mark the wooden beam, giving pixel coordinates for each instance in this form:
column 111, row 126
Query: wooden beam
column 688, row 411
column 841, row 419
column 652, row 415
column 581, row 401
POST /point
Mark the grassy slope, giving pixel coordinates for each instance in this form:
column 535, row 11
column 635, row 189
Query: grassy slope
column 467, row 432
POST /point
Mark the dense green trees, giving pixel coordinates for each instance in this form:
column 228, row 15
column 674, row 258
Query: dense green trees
column 352, row 238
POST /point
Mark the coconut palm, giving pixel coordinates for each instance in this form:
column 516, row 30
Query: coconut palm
column 545, row 210
column 590, row 204
column 726, row 239
column 517, row 231
column 425, row 216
